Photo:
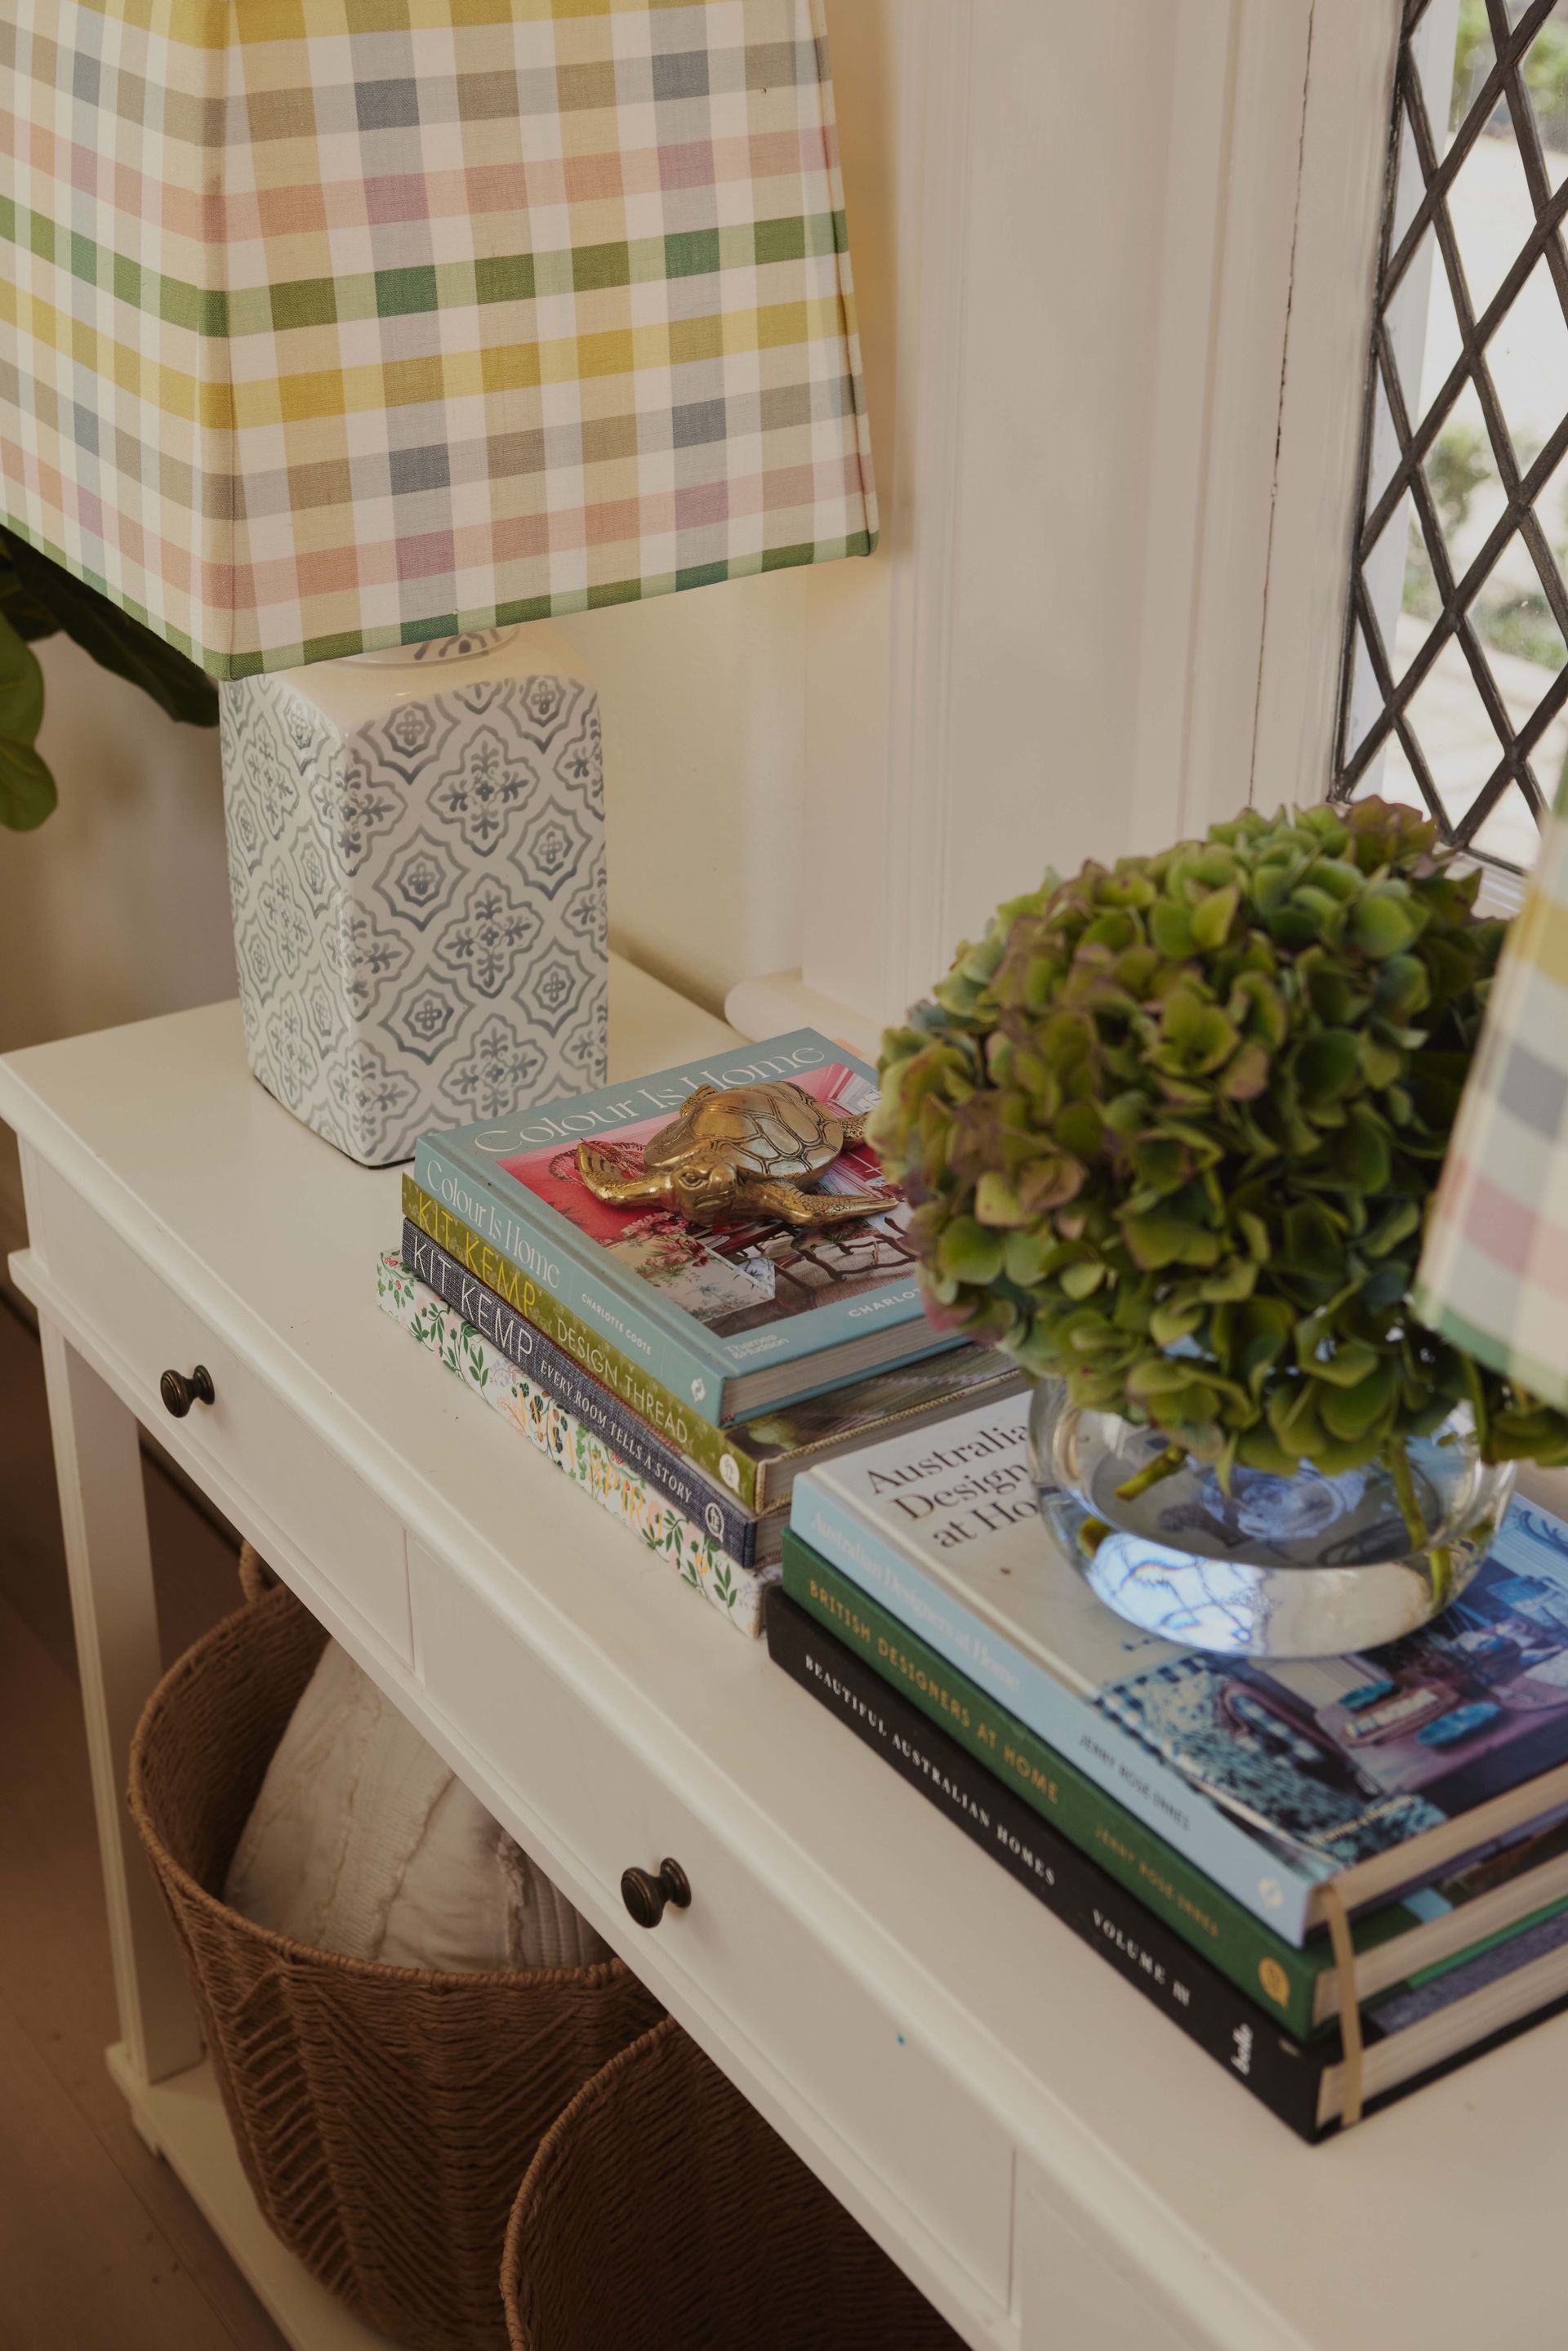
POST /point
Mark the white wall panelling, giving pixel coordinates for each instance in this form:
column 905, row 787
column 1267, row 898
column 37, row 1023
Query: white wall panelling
column 1131, row 253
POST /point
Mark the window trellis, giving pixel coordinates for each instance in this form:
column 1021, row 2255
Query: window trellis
column 1454, row 612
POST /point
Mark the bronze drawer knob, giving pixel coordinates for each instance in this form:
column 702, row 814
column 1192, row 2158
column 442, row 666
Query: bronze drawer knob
column 646, row 1894
column 181, row 1390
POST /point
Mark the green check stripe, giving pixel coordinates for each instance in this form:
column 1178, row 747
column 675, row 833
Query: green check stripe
column 1501, row 1354
column 307, row 302
column 451, row 624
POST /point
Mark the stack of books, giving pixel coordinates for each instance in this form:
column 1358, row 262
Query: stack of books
column 1340, row 1876
column 682, row 1376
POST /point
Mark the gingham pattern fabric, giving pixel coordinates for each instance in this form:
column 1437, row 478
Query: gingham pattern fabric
column 1493, row 1276
column 329, row 325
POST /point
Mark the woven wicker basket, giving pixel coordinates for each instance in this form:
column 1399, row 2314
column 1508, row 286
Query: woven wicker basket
column 383, row 2116
column 662, row 2213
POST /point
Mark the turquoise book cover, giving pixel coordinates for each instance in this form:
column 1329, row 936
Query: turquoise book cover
column 732, row 1298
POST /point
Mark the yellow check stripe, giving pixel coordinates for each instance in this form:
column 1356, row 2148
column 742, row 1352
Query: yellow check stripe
column 220, row 24
column 1539, row 937
column 222, row 406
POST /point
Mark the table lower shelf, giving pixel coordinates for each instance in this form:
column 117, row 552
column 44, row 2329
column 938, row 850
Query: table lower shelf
column 182, row 2120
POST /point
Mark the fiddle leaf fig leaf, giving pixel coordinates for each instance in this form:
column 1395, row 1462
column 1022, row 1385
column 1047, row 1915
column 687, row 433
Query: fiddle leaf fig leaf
column 114, row 640
column 27, row 793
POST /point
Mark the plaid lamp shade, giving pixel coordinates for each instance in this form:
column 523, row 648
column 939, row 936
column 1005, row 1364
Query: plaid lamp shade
column 331, row 325
column 1493, row 1276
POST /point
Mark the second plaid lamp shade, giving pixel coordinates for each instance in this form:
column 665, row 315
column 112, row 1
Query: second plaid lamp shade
column 333, row 325
column 1494, row 1270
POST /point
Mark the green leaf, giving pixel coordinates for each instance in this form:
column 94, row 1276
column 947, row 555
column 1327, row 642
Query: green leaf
column 1362, row 1152
column 1345, row 1366
column 1326, row 1064
column 1255, row 1233
column 1380, row 1064
column 1196, row 1036
column 1400, row 1221
column 27, row 616
column 114, row 640
column 1171, row 1322
column 1159, row 1376
column 1212, row 916
column 1238, row 1279
column 1170, row 927
column 1247, row 1075
column 1354, row 1412
column 1381, row 924
column 28, row 792
column 1403, row 988
column 967, row 1252
column 997, row 1202
column 1313, row 1244
column 1158, row 1240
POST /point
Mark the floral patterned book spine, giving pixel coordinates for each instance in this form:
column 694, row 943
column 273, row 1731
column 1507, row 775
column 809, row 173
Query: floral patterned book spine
column 632, row 1440
column 694, row 1554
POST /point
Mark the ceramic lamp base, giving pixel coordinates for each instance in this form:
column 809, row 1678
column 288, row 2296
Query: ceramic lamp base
column 416, row 855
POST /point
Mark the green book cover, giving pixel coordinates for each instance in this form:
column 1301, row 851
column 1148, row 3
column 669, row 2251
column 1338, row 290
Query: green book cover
column 1262, row 1964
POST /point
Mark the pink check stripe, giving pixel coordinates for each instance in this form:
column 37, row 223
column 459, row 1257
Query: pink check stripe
column 250, row 214
column 1475, row 1212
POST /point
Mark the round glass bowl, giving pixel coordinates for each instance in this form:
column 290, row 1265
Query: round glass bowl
column 1299, row 1566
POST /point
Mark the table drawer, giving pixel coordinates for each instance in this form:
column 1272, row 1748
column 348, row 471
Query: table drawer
column 745, row 1953
column 248, row 1443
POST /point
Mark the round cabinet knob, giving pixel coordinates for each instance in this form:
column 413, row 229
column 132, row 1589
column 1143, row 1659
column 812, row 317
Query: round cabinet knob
column 646, row 1894
column 181, row 1390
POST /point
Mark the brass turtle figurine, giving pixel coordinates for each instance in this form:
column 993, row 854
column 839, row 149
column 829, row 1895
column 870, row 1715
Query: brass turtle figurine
column 732, row 1155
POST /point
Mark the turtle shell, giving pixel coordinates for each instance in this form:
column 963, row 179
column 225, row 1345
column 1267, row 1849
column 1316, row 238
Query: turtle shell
column 764, row 1130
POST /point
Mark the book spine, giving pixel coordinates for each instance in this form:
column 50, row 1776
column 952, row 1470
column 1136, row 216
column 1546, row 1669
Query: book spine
column 600, row 1412
column 664, row 1532
column 1258, row 1962
column 689, row 1432
column 1260, row 1878
column 1277, row 2070
column 592, row 1294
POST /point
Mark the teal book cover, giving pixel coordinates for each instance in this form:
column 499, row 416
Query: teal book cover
column 1380, row 1769
column 734, row 1300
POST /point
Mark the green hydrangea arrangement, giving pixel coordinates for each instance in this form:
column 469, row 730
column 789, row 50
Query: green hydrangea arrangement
column 1170, row 1131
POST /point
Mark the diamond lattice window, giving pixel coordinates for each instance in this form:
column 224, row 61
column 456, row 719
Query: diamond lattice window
column 1455, row 685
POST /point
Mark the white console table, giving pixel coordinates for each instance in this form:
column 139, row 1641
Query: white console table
column 1041, row 2152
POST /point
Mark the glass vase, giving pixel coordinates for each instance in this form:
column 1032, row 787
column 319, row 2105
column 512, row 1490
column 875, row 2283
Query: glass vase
column 1299, row 1566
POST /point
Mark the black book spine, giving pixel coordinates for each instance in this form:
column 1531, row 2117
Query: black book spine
column 1281, row 2072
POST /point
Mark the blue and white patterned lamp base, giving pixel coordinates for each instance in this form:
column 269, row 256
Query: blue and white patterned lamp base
column 416, row 855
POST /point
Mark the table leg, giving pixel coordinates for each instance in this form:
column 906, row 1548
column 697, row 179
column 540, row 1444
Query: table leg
column 98, row 1462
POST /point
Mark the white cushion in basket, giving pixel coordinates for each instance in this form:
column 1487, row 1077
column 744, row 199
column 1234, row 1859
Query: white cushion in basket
column 362, row 1842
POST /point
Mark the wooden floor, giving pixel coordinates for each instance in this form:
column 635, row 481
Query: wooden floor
column 100, row 2247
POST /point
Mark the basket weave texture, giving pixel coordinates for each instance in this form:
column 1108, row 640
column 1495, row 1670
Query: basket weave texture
column 662, row 2213
column 383, row 2116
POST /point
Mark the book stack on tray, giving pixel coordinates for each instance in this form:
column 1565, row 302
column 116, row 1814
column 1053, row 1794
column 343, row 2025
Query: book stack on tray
column 683, row 1376
column 1342, row 1876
